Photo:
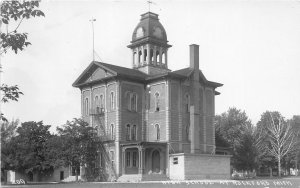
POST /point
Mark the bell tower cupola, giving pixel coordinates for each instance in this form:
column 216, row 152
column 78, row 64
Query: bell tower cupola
column 149, row 45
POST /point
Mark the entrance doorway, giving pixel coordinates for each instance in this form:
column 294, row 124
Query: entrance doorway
column 155, row 162
column 61, row 175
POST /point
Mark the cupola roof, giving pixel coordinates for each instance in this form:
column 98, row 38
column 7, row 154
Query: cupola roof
column 149, row 29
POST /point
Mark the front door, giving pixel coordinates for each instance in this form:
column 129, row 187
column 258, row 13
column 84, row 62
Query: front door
column 155, row 162
column 61, row 175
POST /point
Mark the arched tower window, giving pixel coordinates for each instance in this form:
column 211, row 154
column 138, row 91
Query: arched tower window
column 151, row 56
column 140, row 57
column 156, row 102
column 157, row 130
column 135, row 59
column 145, row 55
column 157, row 57
column 163, row 58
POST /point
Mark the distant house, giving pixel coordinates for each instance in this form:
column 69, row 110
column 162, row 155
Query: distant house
column 154, row 123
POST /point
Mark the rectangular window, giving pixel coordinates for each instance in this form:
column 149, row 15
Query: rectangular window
column 175, row 160
column 134, row 159
column 128, row 159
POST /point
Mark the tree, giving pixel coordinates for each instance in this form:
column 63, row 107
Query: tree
column 8, row 131
column 279, row 137
column 247, row 151
column 79, row 144
column 27, row 151
column 11, row 93
column 16, row 11
column 231, row 126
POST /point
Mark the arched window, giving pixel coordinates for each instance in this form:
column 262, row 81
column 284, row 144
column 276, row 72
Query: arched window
column 145, row 55
column 101, row 103
column 133, row 132
column 96, row 102
column 112, row 132
column 187, row 103
column 187, row 132
column 163, row 58
column 140, row 57
column 112, row 101
column 157, row 129
column 156, row 101
column 128, row 132
column 135, row 60
column 128, row 98
column 133, row 101
column 151, row 56
column 86, row 106
column 157, row 57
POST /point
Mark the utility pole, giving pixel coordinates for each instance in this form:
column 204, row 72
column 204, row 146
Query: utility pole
column 92, row 21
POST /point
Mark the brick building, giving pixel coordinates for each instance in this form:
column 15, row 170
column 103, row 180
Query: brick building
column 151, row 119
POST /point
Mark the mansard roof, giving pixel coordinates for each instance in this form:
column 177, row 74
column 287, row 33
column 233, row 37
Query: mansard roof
column 133, row 74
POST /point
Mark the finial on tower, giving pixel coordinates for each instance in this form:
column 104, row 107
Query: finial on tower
column 149, row 4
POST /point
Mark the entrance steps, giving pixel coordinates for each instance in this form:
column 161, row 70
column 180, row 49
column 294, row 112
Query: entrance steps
column 130, row 178
column 145, row 177
column 155, row 177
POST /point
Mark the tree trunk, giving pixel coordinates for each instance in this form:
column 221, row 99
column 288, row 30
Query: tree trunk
column 279, row 167
column 76, row 172
column 271, row 171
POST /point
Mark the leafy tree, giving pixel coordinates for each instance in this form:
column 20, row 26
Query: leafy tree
column 16, row 11
column 11, row 93
column 8, row 130
column 279, row 139
column 231, row 128
column 27, row 151
column 13, row 13
column 246, row 153
column 79, row 144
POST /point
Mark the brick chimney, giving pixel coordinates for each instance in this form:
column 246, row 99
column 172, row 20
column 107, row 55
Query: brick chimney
column 195, row 95
column 194, row 56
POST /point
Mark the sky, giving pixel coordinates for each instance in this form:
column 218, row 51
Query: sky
column 252, row 47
